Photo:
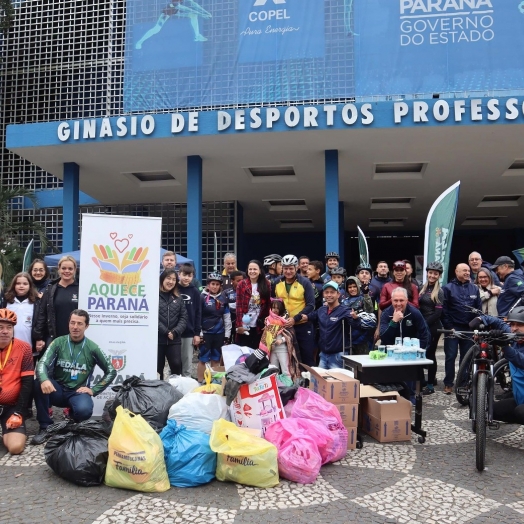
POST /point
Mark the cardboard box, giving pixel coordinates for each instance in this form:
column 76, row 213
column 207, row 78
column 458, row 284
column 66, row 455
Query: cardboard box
column 349, row 414
column 387, row 422
column 352, row 438
column 334, row 386
column 257, row 405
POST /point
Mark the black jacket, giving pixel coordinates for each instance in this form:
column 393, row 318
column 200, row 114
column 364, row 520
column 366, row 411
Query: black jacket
column 172, row 316
column 45, row 321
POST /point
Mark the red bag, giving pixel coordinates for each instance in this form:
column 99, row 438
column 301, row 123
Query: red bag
column 311, row 406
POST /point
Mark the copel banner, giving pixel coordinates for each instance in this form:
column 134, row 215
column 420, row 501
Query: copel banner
column 119, row 261
column 406, row 47
column 193, row 53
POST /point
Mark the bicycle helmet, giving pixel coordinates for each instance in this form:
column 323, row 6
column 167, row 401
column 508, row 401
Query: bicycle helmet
column 214, row 276
column 269, row 260
column 362, row 267
column 399, row 264
column 332, row 254
column 517, row 315
column 367, row 320
column 6, row 315
column 289, row 260
column 435, row 266
column 338, row 271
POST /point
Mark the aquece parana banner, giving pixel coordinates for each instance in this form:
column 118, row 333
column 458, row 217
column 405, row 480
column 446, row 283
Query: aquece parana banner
column 119, row 289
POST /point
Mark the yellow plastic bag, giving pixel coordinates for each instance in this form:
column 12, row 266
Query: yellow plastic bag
column 136, row 455
column 209, row 388
column 243, row 458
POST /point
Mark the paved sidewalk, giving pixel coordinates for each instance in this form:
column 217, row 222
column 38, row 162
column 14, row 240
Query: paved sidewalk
column 435, row 482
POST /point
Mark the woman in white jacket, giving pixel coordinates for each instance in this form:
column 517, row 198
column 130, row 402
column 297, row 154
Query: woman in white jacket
column 489, row 292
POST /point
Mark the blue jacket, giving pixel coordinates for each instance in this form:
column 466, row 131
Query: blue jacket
column 513, row 289
column 514, row 353
column 457, row 297
column 331, row 326
column 378, row 283
column 412, row 325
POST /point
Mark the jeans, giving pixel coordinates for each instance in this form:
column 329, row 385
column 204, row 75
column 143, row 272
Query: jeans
column 280, row 357
column 187, row 349
column 330, row 361
column 306, row 342
column 451, row 347
column 81, row 404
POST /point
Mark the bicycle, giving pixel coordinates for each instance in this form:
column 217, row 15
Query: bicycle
column 479, row 391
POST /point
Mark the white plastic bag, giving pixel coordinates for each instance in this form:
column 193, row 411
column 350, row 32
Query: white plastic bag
column 183, row 384
column 198, row 412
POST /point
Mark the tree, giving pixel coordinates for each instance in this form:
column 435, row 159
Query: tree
column 12, row 228
column 7, row 13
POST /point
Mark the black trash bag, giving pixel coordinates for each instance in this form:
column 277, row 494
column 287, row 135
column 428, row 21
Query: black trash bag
column 77, row 452
column 149, row 398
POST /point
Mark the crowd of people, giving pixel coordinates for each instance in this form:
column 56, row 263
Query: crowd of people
column 295, row 309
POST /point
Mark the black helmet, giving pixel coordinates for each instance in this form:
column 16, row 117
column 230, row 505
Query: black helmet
column 365, row 266
column 435, row 266
column 338, row 271
column 332, row 254
column 517, row 315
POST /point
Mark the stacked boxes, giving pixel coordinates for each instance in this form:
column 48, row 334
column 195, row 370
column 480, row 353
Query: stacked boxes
column 343, row 391
column 385, row 416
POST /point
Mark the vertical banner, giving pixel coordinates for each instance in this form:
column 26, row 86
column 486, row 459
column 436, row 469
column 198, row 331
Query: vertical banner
column 519, row 255
column 439, row 229
column 363, row 247
column 119, row 261
column 28, row 256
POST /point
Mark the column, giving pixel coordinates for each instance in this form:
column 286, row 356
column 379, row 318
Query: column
column 332, row 205
column 194, row 212
column 70, row 208
column 341, row 236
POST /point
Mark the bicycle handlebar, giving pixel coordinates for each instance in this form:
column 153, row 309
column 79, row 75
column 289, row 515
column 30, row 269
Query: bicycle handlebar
column 505, row 336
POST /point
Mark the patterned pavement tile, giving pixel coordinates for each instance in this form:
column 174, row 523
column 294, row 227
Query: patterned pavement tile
column 143, row 508
column 517, row 506
column 418, row 500
column 441, row 432
column 288, row 495
column 514, row 439
column 31, row 456
column 378, row 456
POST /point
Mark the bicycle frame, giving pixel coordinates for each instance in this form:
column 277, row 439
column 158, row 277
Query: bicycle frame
column 483, row 364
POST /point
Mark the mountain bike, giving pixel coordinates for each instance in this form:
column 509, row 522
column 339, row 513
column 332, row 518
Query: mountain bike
column 477, row 384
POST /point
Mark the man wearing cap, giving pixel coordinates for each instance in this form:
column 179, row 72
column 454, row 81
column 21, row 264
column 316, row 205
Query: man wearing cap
column 332, row 320
column 460, row 295
column 16, row 382
column 513, row 284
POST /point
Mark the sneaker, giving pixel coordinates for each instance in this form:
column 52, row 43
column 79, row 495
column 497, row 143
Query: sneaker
column 30, row 414
column 448, row 390
column 505, row 395
column 67, row 413
column 428, row 390
column 39, row 438
column 50, row 411
column 435, row 382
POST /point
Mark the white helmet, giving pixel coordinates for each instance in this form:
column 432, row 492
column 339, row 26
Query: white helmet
column 367, row 320
column 289, row 260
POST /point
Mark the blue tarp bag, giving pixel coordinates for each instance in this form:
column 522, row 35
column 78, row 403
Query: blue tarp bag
column 189, row 459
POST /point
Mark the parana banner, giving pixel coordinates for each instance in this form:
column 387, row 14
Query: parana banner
column 120, row 256
column 439, row 230
column 194, row 53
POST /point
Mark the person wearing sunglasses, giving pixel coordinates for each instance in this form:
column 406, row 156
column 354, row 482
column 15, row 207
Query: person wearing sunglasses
column 16, row 382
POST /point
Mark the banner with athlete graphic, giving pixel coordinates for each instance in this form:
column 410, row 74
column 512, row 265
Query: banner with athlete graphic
column 119, row 257
column 193, row 53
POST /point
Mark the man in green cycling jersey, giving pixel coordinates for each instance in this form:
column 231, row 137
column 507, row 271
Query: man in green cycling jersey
column 64, row 372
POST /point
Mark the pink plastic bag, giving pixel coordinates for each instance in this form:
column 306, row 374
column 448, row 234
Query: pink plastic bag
column 288, row 408
column 311, row 406
column 299, row 458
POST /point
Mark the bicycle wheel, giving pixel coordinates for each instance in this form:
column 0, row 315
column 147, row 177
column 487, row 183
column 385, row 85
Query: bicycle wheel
column 463, row 381
column 502, row 378
column 481, row 421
